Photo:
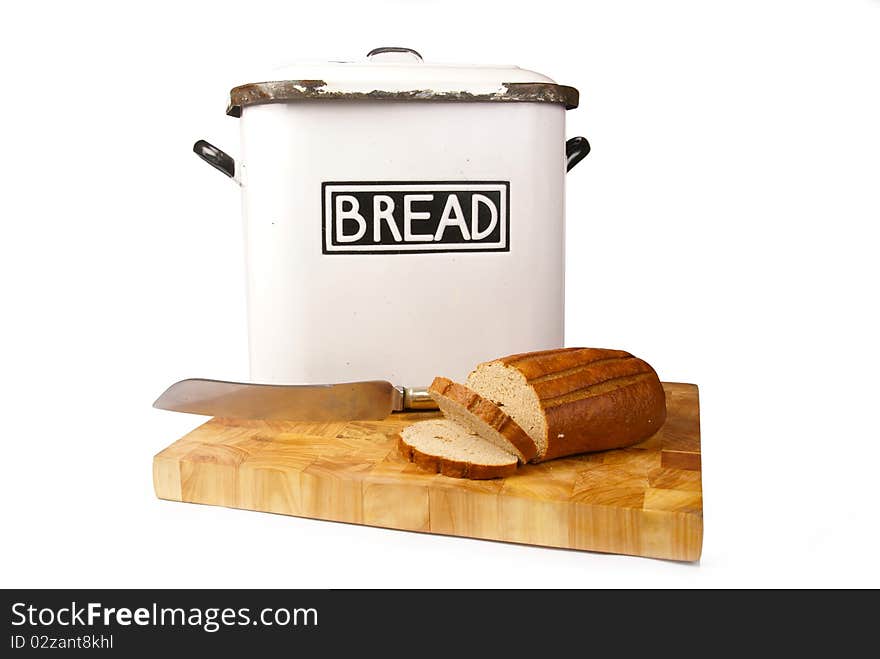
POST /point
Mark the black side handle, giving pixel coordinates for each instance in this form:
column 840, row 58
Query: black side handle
column 217, row 158
column 576, row 149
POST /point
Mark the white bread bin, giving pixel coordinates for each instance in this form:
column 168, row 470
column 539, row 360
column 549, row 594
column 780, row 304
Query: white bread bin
column 402, row 219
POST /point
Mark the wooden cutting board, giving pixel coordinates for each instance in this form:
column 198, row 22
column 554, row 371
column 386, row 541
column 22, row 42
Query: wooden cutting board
column 645, row 500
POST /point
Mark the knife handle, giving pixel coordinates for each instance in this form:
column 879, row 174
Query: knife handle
column 417, row 398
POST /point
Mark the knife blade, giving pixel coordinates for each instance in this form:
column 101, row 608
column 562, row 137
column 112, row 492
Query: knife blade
column 347, row 401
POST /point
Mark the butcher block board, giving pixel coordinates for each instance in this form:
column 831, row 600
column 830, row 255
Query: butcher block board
column 645, row 500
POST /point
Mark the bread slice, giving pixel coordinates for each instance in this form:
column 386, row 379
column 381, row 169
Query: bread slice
column 483, row 417
column 575, row 400
column 445, row 447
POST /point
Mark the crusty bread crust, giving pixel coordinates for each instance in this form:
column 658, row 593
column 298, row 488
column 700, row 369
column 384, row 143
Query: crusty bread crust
column 592, row 399
column 486, row 411
column 615, row 419
column 453, row 468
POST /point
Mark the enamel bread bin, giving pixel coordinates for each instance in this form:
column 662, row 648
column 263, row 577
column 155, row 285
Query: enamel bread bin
column 402, row 219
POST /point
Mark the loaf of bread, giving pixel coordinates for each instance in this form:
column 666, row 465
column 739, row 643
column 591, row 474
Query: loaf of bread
column 537, row 406
column 482, row 417
column 575, row 400
column 445, row 447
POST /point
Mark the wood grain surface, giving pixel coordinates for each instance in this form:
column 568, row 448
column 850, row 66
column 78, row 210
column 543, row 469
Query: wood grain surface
column 645, row 500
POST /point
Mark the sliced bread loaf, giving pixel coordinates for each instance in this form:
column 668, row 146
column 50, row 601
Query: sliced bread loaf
column 445, row 447
column 483, row 417
column 575, row 400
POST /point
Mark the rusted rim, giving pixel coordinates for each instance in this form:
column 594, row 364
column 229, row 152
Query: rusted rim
column 258, row 93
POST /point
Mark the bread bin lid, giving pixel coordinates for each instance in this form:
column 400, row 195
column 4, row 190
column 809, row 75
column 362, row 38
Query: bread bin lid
column 400, row 74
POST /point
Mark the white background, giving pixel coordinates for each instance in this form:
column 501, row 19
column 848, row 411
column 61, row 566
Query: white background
column 724, row 228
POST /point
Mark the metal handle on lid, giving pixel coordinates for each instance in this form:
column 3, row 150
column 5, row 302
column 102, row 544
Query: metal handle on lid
column 394, row 54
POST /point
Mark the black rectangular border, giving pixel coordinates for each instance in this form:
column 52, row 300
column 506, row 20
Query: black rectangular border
column 324, row 250
column 840, row 624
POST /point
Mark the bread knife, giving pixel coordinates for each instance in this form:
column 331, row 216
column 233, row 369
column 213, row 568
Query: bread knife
column 347, row 401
